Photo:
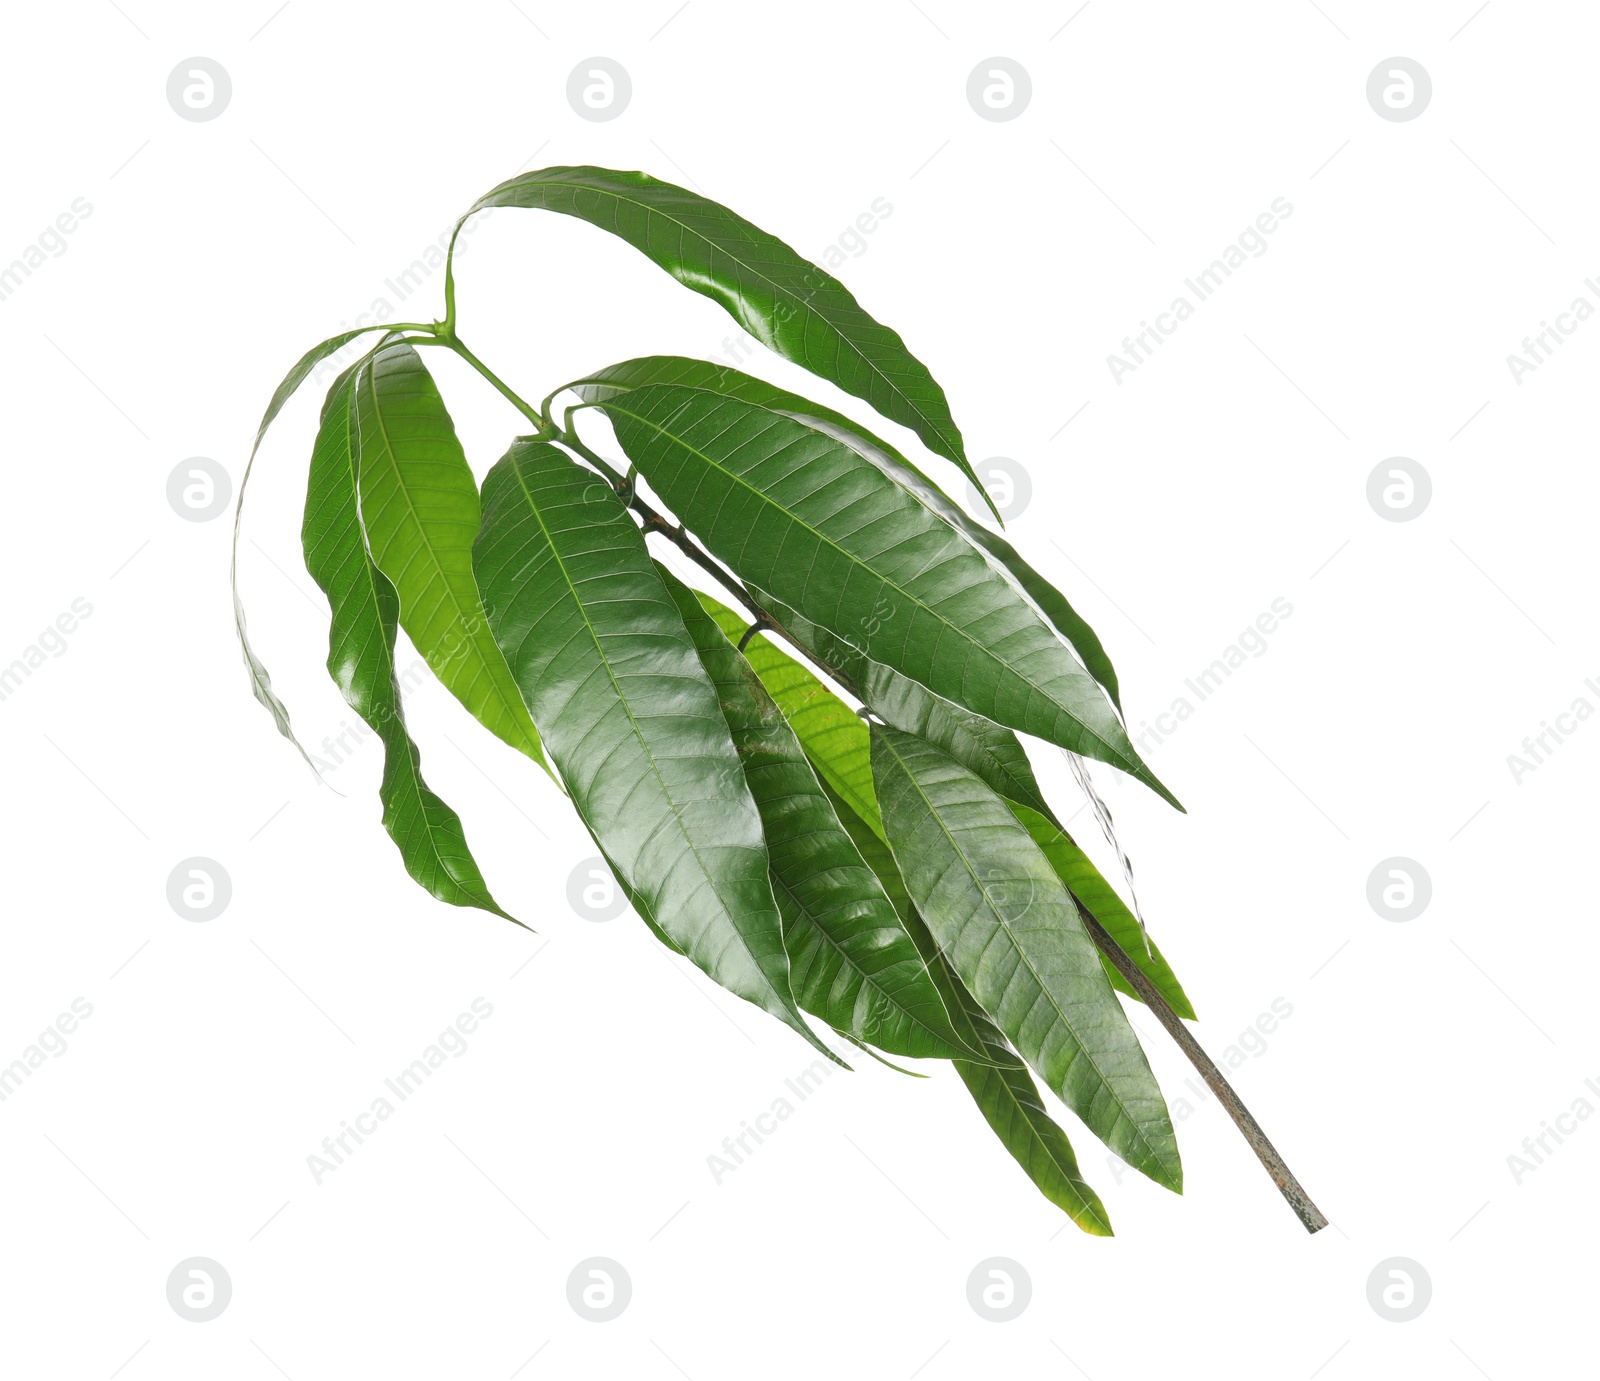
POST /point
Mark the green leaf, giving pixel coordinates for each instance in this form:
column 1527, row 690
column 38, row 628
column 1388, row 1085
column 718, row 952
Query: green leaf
column 1085, row 882
column 640, row 906
column 732, row 383
column 791, row 306
column 832, row 734
column 1009, row 1101
column 804, row 517
column 851, row 963
column 600, row 652
column 1010, row 931
column 978, row 744
column 1052, row 603
column 260, row 680
column 419, row 504
column 1000, row 1085
column 361, row 643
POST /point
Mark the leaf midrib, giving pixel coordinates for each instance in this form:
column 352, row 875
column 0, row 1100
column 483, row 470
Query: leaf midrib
column 368, row 373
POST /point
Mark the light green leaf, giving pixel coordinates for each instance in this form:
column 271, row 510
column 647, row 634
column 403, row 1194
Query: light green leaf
column 791, row 306
column 1012, row 934
column 832, row 734
column 850, row 961
column 419, row 505
column 802, row 516
column 600, row 652
column 980, row 745
column 361, row 661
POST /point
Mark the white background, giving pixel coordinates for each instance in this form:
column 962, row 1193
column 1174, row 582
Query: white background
column 1173, row 508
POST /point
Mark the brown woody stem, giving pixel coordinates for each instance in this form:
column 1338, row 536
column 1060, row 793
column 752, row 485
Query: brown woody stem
column 1291, row 1189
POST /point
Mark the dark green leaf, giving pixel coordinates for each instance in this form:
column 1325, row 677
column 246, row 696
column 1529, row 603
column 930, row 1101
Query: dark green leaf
column 978, row 744
column 601, row 655
column 790, row 305
column 1009, row 1100
column 804, row 517
column 1085, row 882
column 1012, row 934
column 1001, row 1085
column 361, row 661
column 732, row 383
column 850, row 961
column 832, row 734
column 419, row 505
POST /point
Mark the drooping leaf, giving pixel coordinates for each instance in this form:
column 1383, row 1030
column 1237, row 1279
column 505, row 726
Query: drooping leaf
column 301, row 372
column 1012, row 934
column 260, row 680
column 832, row 734
column 1084, row 881
column 1009, row 1100
column 601, row 655
column 732, row 383
column 361, row 643
column 1001, row 1085
column 850, row 961
column 791, row 306
column 804, row 517
column 420, row 507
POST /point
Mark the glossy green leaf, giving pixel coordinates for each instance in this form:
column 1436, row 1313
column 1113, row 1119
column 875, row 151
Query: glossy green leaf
column 640, row 906
column 979, row 744
column 832, row 734
column 791, row 306
column 732, row 383
column 1009, row 1100
column 1001, row 1085
column 1086, row 883
column 600, row 653
column 420, row 506
column 260, row 680
column 850, row 961
column 806, row 518
column 1010, row 931
column 361, row 643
